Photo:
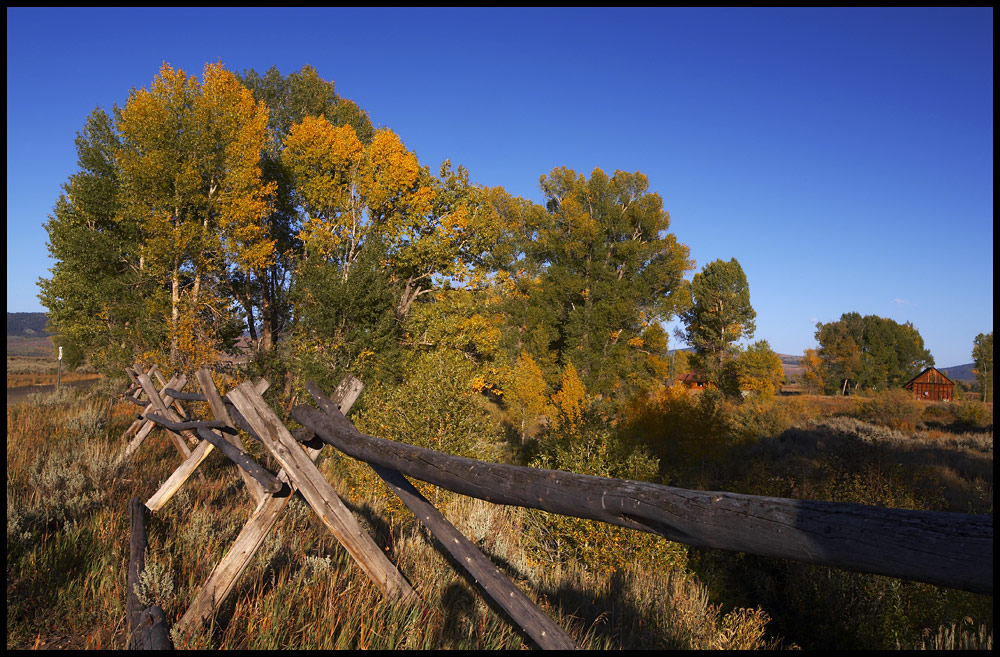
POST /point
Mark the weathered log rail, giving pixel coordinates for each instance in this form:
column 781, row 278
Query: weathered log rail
column 946, row 549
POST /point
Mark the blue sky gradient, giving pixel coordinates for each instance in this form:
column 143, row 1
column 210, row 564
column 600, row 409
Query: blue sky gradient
column 843, row 156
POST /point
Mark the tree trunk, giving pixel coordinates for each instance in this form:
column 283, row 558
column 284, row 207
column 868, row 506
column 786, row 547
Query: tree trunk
column 175, row 297
column 266, row 320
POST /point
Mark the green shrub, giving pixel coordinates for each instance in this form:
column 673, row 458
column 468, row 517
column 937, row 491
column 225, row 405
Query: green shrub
column 895, row 409
column 973, row 415
column 603, row 548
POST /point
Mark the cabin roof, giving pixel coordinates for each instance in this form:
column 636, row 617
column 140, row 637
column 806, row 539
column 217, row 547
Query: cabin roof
column 926, row 373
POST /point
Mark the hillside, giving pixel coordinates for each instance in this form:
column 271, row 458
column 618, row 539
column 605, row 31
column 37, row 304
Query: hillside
column 27, row 325
column 960, row 372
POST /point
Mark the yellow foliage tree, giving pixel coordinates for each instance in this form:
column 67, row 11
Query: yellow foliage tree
column 813, row 375
column 758, row 369
column 525, row 394
column 569, row 402
column 353, row 194
column 191, row 177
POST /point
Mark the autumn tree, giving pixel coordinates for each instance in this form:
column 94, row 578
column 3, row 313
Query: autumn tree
column 525, row 394
column 755, row 369
column 569, row 403
column 870, row 352
column 457, row 281
column 468, row 239
column 354, row 193
column 719, row 316
column 601, row 274
column 264, row 294
column 982, row 356
column 191, row 177
column 813, row 376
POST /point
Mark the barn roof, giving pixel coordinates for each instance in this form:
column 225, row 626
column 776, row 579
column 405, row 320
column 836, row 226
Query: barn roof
column 924, row 374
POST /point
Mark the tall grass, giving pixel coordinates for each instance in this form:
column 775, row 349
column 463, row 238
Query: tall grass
column 67, row 544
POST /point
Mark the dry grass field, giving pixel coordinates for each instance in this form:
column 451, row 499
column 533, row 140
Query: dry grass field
column 35, row 371
column 67, row 545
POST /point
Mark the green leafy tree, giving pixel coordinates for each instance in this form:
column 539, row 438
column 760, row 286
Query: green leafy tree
column 600, row 271
column 982, row 355
column 100, row 303
column 870, row 352
column 720, row 315
column 344, row 325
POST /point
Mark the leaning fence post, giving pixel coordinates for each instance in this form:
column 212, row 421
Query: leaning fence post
column 215, row 402
column 542, row 629
column 223, row 578
column 147, row 626
column 316, row 490
column 142, row 426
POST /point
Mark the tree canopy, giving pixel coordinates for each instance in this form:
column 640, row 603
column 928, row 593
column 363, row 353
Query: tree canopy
column 600, row 274
column 267, row 204
column 870, row 352
column 101, row 305
column 191, row 181
column 719, row 316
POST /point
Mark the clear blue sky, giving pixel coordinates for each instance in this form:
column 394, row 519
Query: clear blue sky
column 843, row 156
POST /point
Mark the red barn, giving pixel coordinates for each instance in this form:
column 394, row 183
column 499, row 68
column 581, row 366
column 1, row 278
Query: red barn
column 931, row 385
column 693, row 380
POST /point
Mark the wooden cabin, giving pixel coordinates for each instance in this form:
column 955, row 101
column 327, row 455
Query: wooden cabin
column 693, row 381
column 931, row 385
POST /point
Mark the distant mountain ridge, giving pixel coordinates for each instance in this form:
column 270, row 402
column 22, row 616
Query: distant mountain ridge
column 959, row 372
column 28, row 325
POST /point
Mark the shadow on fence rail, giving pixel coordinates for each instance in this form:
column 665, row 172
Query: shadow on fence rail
column 946, row 549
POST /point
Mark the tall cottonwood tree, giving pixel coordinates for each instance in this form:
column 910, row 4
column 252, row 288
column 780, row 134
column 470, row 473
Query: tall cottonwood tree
column 264, row 295
column 720, row 315
column 870, row 352
column 100, row 304
column 982, row 356
column 191, row 178
column 602, row 272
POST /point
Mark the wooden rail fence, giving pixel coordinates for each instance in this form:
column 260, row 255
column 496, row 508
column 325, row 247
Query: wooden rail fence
column 947, row 549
